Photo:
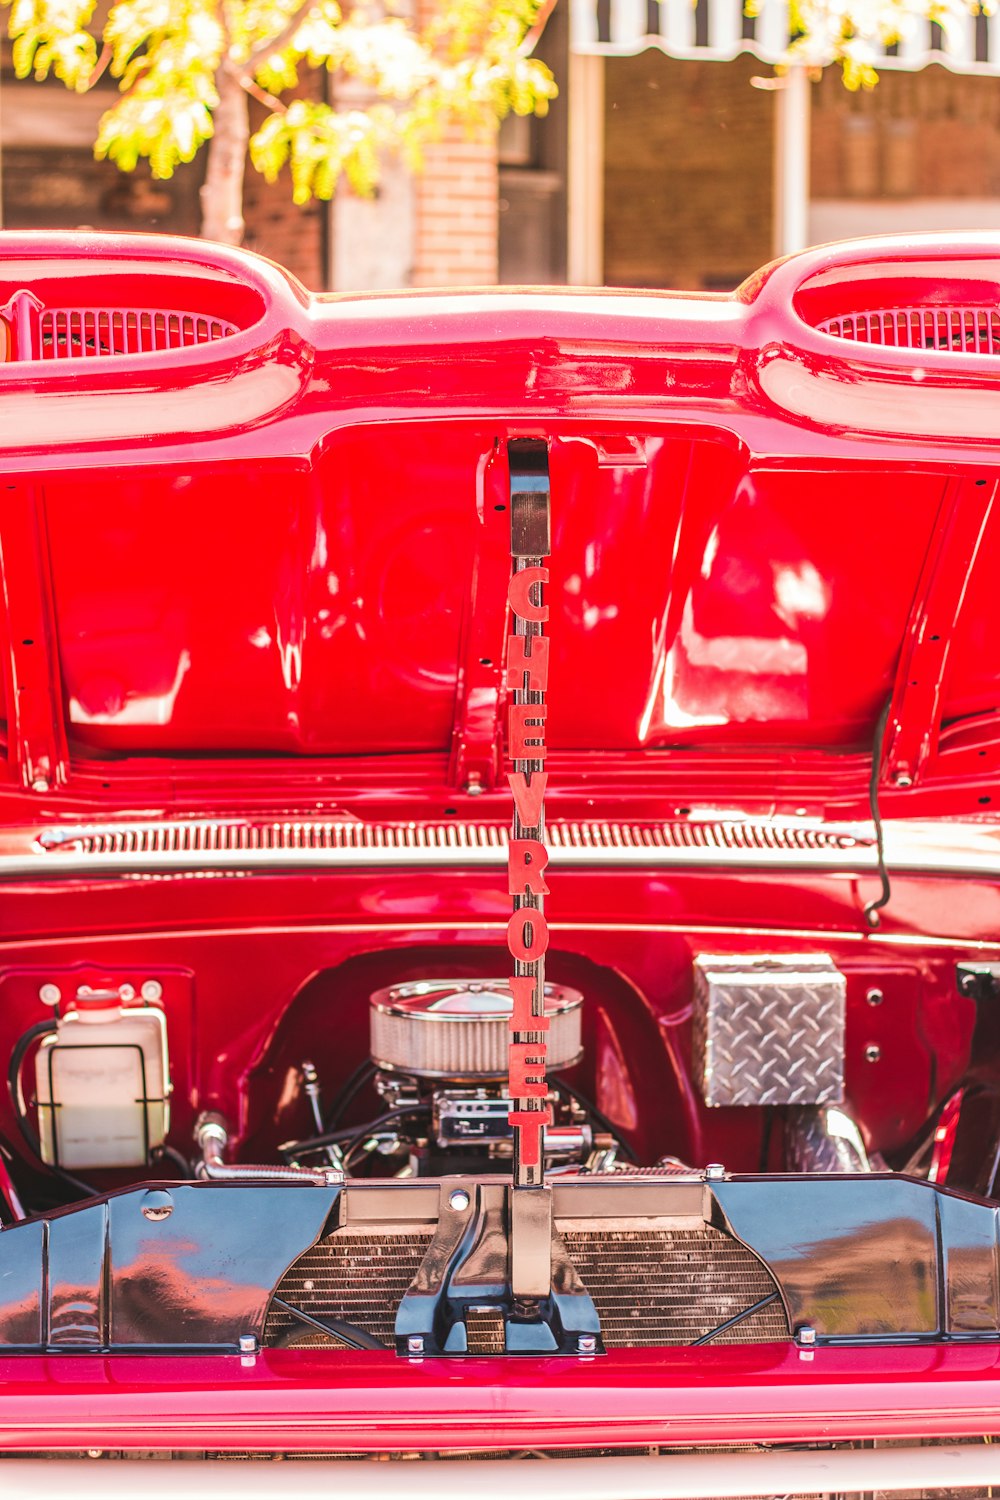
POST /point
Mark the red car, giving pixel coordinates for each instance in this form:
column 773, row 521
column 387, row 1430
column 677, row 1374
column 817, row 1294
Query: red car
column 499, row 869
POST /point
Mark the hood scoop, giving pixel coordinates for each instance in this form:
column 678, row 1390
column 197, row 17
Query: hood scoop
column 113, row 306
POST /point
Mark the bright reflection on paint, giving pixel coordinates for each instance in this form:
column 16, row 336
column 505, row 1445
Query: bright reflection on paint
column 800, row 593
column 137, row 708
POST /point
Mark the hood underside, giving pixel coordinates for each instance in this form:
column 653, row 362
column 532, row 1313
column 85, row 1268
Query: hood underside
column 285, row 540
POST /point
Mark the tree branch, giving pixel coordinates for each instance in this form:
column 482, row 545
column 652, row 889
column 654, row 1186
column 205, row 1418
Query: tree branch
column 270, row 101
column 283, row 37
column 101, row 66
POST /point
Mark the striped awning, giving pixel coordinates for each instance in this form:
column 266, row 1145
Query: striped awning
column 720, row 30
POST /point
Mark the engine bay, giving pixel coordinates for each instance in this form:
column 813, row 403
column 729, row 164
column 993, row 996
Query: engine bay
column 712, row 1176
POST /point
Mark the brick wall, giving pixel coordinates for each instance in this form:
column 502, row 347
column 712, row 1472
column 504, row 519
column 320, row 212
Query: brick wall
column 688, row 185
column 456, row 212
column 276, row 227
column 687, row 180
column 916, row 135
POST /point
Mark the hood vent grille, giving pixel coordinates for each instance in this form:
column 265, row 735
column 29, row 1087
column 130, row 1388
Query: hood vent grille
column 212, row 838
column 33, row 329
column 951, row 330
column 96, row 332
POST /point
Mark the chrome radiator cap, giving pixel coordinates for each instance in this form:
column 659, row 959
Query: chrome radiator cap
column 458, row 1028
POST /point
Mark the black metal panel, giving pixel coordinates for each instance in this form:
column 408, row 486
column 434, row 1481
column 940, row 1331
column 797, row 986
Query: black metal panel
column 23, row 1310
column 76, row 1278
column 870, row 1257
column 198, row 1275
column 205, row 1274
column 857, row 1258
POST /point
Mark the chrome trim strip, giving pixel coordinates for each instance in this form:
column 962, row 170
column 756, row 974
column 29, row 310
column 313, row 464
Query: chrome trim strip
column 697, row 1476
column 931, row 848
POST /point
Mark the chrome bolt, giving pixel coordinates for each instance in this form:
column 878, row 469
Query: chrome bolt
column 95, row 1452
column 415, row 1343
column 586, row 1343
column 126, row 993
column 40, row 784
column 873, row 1052
column 309, row 1286
column 248, row 1343
column 151, row 990
column 874, row 997
column 903, row 780
column 157, row 1205
column 50, row 994
column 714, row 1172
column 459, row 1200
column 805, row 1336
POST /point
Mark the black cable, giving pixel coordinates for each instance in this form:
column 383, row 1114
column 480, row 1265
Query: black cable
column 747, row 1312
column 348, row 1333
column 595, row 1114
column 167, row 1153
column 353, row 1134
column 17, row 1056
column 349, row 1092
column 373, row 1125
column 874, row 907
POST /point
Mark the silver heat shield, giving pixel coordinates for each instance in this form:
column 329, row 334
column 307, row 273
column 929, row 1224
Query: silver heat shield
column 458, row 1029
column 769, row 1028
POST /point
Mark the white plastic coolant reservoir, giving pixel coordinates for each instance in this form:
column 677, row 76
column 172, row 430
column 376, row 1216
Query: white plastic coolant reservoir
column 102, row 1084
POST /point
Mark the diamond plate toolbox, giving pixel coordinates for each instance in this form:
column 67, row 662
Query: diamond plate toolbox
column 769, row 1028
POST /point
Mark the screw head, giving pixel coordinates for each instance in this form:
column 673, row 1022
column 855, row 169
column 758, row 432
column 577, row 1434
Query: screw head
column 873, row 1052
column 904, row 780
column 151, row 990
column 157, row 1205
column 874, row 997
column 459, row 1200
column 415, row 1343
column 248, row 1343
column 40, row 784
column 50, row 994
column 126, row 993
column 586, row 1343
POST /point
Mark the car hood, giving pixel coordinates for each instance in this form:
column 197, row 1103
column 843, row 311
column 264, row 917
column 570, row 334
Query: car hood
column 255, row 544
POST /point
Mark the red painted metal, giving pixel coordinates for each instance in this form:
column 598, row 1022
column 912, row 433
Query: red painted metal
column 267, row 545
column 304, row 1400
column 266, row 575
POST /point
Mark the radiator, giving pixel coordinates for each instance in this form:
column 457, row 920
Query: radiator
column 651, row 1286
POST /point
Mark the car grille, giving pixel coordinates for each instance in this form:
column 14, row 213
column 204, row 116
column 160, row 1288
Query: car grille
column 651, row 1286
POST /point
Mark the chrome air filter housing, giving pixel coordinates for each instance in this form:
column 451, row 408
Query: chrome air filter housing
column 458, row 1028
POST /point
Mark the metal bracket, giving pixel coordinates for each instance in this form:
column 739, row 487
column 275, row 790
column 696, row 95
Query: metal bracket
column 462, row 1300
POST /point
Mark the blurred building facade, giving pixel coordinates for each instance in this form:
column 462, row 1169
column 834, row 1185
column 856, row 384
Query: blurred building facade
column 648, row 171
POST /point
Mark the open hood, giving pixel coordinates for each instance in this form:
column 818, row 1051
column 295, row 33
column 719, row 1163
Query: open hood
column 255, row 545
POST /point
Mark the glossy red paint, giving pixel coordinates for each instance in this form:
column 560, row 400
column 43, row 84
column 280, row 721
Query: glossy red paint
column 268, row 574
column 283, row 544
column 303, row 1400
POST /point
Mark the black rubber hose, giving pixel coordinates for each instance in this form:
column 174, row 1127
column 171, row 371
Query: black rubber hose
column 349, row 1092
column 167, row 1153
column 353, row 1134
column 17, row 1056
